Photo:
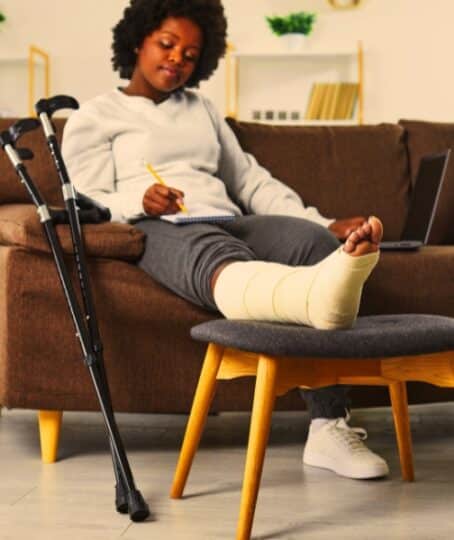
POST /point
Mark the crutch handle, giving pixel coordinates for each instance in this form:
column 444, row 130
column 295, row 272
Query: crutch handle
column 55, row 103
column 23, row 126
column 7, row 140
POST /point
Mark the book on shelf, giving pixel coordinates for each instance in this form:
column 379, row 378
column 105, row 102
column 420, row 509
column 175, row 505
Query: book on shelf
column 310, row 109
column 346, row 102
column 331, row 104
column 353, row 98
column 327, row 101
column 316, row 101
column 332, row 101
column 342, row 103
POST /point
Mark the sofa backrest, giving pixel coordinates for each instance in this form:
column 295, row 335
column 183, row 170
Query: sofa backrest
column 344, row 171
column 429, row 138
column 41, row 168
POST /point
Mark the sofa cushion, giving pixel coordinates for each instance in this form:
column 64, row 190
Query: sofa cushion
column 41, row 168
column 411, row 282
column 427, row 138
column 152, row 363
column 20, row 226
column 344, row 171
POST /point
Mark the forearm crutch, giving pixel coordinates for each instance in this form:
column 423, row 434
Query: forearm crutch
column 45, row 108
column 128, row 498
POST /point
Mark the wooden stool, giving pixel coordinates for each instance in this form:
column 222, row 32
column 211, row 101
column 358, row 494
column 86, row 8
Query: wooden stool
column 379, row 350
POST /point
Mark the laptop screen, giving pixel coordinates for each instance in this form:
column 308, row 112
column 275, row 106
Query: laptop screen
column 424, row 199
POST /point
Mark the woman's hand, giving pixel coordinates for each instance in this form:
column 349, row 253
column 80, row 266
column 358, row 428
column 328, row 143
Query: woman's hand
column 159, row 200
column 343, row 227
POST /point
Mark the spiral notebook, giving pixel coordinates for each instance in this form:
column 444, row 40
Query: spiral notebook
column 199, row 213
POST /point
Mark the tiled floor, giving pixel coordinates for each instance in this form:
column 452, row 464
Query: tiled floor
column 73, row 499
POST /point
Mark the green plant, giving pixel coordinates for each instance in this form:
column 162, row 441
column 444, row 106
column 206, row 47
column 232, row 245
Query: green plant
column 299, row 23
column 2, row 17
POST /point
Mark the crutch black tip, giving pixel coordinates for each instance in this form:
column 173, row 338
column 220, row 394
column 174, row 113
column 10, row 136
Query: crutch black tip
column 121, row 501
column 138, row 508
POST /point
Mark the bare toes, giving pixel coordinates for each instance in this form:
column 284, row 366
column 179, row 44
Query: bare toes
column 349, row 246
column 376, row 229
column 354, row 237
column 366, row 228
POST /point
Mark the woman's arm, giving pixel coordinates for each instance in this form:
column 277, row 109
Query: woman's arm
column 87, row 150
column 251, row 184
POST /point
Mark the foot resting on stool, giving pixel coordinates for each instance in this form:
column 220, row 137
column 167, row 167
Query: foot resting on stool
column 332, row 444
column 325, row 295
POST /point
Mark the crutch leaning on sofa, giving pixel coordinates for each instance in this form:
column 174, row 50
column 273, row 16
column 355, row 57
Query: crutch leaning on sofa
column 128, row 498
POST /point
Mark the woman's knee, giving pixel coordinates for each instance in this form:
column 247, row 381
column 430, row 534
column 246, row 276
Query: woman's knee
column 325, row 238
column 312, row 242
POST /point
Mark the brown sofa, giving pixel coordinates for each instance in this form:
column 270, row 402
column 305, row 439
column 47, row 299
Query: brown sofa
column 152, row 363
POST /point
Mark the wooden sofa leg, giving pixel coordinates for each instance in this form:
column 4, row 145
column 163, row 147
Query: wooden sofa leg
column 202, row 400
column 399, row 402
column 49, row 431
column 262, row 410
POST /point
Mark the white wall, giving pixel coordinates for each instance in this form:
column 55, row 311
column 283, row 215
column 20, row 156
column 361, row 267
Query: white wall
column 409, row 47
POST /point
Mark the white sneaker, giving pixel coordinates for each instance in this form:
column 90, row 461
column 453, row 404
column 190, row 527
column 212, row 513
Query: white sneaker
column 338, row 447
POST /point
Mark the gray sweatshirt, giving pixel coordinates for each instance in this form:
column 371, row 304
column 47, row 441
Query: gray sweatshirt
column 107, row 141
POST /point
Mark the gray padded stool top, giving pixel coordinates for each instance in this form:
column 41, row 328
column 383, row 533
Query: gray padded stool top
column 372, row 336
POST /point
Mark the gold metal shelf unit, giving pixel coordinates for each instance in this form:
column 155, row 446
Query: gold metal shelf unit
column 33, row 53
column 232, row 79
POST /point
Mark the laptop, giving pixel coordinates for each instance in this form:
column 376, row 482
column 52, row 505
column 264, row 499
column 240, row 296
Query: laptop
column 423, row 203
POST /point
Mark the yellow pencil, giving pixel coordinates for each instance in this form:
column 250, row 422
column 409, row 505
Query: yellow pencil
column 155, row 175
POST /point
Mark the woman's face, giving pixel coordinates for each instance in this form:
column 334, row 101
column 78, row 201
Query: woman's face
column 167, row 58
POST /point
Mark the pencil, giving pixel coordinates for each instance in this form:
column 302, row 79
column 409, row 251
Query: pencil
column 155, row 175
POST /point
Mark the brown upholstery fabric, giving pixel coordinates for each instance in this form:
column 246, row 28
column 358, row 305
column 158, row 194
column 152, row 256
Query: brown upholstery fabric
column 41, row 168
column 3, row 322
column 343, row 171
column 429, row 138
column 152, row 363
column 411, row 282
column 20, row 226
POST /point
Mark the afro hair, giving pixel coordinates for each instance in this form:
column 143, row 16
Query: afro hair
column 142, row 17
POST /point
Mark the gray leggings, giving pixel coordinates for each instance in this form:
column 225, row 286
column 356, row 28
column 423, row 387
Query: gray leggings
column 183, row 258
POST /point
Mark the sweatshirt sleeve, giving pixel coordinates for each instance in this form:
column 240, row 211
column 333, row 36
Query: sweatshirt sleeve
column 87, row 150
column 251, row 184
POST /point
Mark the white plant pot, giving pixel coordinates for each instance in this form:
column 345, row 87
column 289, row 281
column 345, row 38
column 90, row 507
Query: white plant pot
column 293, row 42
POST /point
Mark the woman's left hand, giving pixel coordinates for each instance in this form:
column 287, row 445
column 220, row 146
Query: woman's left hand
column 343, row 227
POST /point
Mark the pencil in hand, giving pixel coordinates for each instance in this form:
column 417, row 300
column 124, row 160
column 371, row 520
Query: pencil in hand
column 156, row 176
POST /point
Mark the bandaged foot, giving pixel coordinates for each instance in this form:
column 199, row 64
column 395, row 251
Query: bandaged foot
column 326, row 295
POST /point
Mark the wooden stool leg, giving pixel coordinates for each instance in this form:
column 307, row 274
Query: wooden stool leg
column 202, row 400
column 264, row 397
column 49, row 431
column 398, row 393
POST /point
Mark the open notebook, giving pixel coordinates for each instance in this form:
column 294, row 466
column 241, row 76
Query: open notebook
column 199, row 213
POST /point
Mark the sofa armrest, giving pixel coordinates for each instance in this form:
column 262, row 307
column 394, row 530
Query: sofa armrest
column 20, row 226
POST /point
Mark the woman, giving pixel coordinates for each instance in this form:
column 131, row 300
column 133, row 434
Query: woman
column 277, row 260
